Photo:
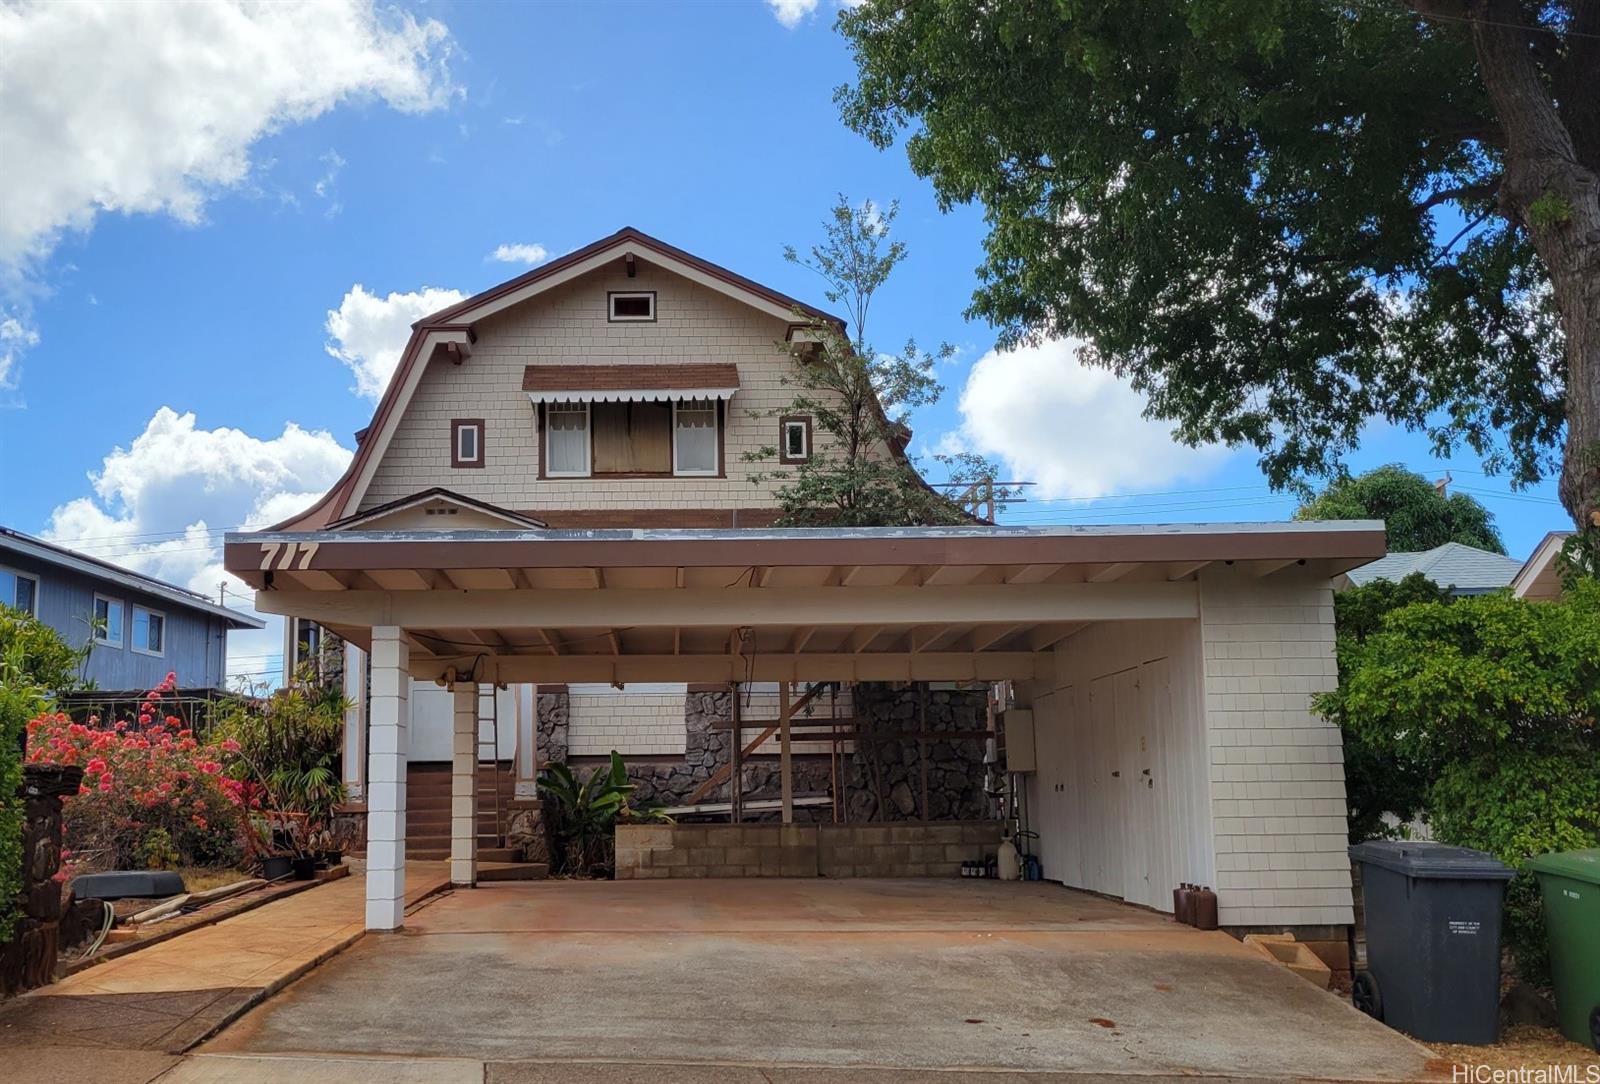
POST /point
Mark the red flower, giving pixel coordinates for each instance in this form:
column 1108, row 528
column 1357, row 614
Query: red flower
column 96, row 766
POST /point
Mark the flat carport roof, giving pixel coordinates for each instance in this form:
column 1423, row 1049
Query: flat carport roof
column 964, row 603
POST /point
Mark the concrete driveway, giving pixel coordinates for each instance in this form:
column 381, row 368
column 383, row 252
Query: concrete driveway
column 914, row 974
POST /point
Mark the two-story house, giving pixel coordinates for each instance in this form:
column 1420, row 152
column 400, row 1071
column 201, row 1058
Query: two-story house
column 138, row 629
column 549, row 545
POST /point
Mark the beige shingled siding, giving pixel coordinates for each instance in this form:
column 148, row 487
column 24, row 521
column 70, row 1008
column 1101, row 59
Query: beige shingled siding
column 1277, row 769
column 641, row 721
column 568, row 326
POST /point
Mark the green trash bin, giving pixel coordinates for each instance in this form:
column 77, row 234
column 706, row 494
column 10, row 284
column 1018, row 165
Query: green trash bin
column 1571, row 885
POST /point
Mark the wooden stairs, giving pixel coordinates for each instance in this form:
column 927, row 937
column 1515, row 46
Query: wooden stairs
column 428, row 821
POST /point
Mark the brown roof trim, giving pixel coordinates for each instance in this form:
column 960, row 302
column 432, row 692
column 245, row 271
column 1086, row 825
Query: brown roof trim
column 691, row 549
column 626, row 377
column 644, row 240
column 430, row 494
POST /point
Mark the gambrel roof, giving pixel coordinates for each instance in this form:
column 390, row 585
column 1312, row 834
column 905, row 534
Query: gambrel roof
column 452, row 330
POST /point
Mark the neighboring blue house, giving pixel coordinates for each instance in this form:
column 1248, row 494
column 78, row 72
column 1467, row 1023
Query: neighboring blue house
column 150, row 627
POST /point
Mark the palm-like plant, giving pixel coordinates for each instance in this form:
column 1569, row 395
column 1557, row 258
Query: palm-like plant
column 583, row 814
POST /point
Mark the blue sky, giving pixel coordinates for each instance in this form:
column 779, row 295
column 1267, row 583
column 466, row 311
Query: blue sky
column 190, row 239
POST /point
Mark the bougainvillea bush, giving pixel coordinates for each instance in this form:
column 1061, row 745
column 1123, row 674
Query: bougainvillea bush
column 153, row 795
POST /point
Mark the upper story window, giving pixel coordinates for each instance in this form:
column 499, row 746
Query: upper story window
column 694, row 437
column 633, row 439
column 638, row 305
column 566, row 445
column 466, row 442
column 794, row 439
column 149, row 631
column 19, row 591
column 109, row 619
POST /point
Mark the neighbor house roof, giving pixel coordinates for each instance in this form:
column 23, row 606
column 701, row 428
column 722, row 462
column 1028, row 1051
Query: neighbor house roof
column 60, row 557
column 1466, row 570
column 452, row 330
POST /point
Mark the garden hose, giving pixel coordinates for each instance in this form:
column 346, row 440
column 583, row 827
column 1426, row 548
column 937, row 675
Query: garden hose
column 111, row 917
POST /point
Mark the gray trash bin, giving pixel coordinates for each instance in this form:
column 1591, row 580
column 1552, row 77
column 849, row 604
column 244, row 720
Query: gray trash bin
column 1433, row 939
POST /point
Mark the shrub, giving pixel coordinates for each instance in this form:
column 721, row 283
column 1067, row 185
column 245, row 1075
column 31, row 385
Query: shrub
column 20, row 698
column 1495, row 700
column 583, row 814
column 153, row 795
column 287, row 749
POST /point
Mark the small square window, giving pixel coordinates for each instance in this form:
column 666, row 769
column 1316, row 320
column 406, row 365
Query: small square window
column 631, row 306
column 18, row 591
column 149, row 631
column 108, row 621
column 466, row 442
column 794, row 440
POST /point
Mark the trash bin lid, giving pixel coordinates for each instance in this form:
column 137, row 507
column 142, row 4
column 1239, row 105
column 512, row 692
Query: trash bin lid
column 1436, row 861
column 1579, row 865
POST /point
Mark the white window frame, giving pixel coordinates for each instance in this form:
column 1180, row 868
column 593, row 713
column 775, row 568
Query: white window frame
column 611, row 307
column 805, row 442
column 588, row 442
column 476, row 458
column 716, row 442
column 31, row 578
column 162, row 650
column 104, row 636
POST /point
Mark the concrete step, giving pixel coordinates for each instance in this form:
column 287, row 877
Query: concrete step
column 512, row 871
column 498, row 854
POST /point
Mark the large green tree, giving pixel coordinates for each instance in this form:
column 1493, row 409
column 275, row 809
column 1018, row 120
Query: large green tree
column 1417, row 515
column 1280, row 218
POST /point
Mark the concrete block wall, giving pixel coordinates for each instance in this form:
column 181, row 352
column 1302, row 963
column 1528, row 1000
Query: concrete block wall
column 634, row 723
column 935, row 849
column 1276, row 768
column 566, row 326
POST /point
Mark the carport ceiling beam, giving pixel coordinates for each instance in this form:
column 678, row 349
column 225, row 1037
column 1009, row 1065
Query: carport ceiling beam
column 985, row 604
column 868, row 666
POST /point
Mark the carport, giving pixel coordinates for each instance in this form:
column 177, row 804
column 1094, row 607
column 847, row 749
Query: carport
column 1046, row 608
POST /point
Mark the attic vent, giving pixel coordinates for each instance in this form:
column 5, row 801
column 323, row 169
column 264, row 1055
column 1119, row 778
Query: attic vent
column 631, row 306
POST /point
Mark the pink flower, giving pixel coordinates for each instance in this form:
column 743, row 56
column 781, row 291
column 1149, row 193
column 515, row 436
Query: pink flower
column 144, row 718
column 230, row 745
column 97, row 766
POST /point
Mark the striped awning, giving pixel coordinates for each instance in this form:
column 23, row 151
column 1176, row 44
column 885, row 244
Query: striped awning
column 629, row 383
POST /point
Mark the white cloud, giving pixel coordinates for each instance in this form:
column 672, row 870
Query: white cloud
column 791, row 12
column 1075, row 430
column 15, row 338
column 153, row 108
column 327, row 186
column 368, row 333
column 515, row 253
column 160, row 505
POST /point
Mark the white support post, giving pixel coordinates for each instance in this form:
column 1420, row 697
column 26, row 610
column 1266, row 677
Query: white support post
column 527, row 701
column 386, row 779
column 464, row 786
column 785, row 764
column 355, row 731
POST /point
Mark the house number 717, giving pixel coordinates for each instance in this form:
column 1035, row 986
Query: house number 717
column 270, row 551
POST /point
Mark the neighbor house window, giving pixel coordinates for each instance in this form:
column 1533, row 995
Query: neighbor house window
column 466, row 442
column 566, row 444
column 18, row 591
column 149, row 631
column 108, row 621
column 631, row 306
column 794, row 440
column 694, row 437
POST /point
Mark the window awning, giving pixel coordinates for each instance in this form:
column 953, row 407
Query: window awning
column 629, row 383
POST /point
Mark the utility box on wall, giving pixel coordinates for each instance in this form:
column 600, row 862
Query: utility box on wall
column 1018, row 724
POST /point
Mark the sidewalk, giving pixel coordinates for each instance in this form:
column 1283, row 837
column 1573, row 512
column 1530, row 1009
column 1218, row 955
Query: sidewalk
column 173, row 994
